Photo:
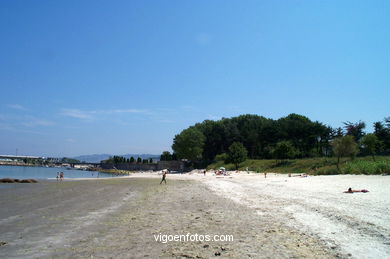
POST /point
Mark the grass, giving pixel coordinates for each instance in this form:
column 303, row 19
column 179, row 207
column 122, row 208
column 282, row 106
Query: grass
column 367, row 167
column 314, row 166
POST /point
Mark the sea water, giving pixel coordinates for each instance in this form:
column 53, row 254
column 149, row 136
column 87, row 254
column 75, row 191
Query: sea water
column 29, row 172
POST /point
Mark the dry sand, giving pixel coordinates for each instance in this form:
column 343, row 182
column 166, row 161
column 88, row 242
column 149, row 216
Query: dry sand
column 118, row 218
column 357, row 224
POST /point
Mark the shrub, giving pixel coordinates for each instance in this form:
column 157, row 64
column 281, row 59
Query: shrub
column 329, row 170
column 367, row 167
column 221, row 157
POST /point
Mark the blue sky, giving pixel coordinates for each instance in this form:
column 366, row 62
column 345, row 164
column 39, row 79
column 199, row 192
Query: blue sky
column 85, row 77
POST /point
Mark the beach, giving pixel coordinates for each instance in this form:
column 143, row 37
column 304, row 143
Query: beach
column 273, row 217
column 355, row 224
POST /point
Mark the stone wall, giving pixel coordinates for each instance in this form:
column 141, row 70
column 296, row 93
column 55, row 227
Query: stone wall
column 160, row 165
column 130, row 167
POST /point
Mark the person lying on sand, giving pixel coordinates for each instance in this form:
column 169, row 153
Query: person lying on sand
column 297, row 175
column 352, row 191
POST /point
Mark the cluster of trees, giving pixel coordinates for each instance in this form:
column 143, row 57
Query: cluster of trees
column 257, row 137
column 167, row 156
column 69, row 160
column 124, row 160
column 49, row 160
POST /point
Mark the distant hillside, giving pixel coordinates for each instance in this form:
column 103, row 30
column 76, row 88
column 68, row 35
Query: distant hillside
column 96, row 158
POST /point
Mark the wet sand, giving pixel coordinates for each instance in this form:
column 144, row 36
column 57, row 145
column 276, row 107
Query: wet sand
column 118, row 218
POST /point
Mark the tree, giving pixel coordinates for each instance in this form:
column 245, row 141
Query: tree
column 383, row 134
column 222, row 157
column 355, row 129
column 387, row 121
column 139, row 160
column 237, row 153
column 370, row 143
column 115, row 160
column 284, row 150
column 258, row 134
column 166, row 156
column 344, row 146
column 132, row 160
column 189, row 144
column 150, row 160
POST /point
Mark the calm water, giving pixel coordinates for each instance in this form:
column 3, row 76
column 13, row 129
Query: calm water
column 24, row 172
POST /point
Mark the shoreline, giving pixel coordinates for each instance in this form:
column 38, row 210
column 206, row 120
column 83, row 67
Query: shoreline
column 198, row 175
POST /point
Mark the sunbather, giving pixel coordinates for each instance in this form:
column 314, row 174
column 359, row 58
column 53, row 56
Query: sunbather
column 352, row 191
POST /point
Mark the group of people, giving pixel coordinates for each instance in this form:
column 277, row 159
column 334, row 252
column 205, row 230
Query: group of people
column 60, row 176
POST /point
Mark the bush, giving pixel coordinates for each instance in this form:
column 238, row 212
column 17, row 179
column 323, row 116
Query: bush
column 329, row 170
column 221, row 157
column 383, row 167
column 367, row 167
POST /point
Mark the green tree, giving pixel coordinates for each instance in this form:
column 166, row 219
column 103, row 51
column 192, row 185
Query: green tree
column 132, row 160
column 370, row 144
column 284, row 150
column 69, row 160
column 344, row 146
column 259, row 136
column 338, row 132
column 355, row 129
column 222, row 157
column 166, row 156
column 139, row 160
column 189, row 144
column 150, row 160
column 383, row 133
column 237, row 153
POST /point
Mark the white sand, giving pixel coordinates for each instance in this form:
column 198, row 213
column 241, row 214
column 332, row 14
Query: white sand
column 356, row 224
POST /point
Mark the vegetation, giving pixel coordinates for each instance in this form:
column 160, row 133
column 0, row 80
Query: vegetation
column 367, row 167
column 189, row 144
column 69, row 160
column 355, row 130
column 284, row 150
column 371, row 144
column 258, row 134
column 237, row 153
column 48, row 161
column 115, row 160
column 167, row 156
column 314, row 166
column 286, row 139
column 344, row 146
column 124, row 160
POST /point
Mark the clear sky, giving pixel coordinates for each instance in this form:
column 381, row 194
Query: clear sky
column 86, row 77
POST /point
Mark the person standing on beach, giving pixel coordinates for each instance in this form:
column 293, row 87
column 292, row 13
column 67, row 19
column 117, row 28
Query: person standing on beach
column 61, row 176
column 164, row 176
column 58, row 176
